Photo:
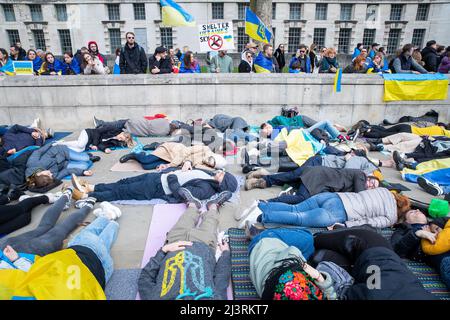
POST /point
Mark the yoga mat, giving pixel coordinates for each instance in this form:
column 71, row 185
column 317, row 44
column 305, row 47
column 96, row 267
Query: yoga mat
column 58, row 136
column 129, row 166
column 123, row 284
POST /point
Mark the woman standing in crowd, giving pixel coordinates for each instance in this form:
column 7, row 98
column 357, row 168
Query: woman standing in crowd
column 189, row 64
column 246, row 65
column 6, row 65
column 313, row 57
column 444, row 67
column 378, row 64
column 117, row 62
column 329, row 63
column 51, row 66
column 37, row 61
column 358, row 65
column 92, row 65
column 279, row 55
column 71, row 66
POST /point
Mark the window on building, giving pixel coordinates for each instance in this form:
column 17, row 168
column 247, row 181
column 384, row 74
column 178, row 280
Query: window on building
column 319, row 36
column 13, row 36
column 65, row 40
column 346, row 11
column 241, row 10
column 396, row 12
column 368, row 37
column 114, row 11
column 274, row 10
column 166, row 37
column 295, row 11
column 217, row 10
column 344, row 40
column 242, row 39
column 393, row 40
column 36, row 12
column 39, row 39
column 371, row 12
column 422, row 12
column 61, row 12
column 321, row 11
column 139, row 11
column 418, row 37
column 115, row 40
column 294, row 39
column 8, row 10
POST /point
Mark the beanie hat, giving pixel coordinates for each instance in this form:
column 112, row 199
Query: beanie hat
column 229, row 183
column 297, row 285
column 342, row 280
column 160, row 50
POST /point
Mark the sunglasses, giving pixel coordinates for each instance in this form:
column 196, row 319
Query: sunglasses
column 302, row 51
column 130, row 38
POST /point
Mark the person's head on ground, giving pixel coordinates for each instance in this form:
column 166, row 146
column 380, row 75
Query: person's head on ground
column 31, row 54
column 403, row 205
column 359, row 62
column 216, row 161
column 14, row 51
column 266, row 130
column 289, row 281
column 330, row 53
column 375, row 46
column 49, row 58
column 407, row 50
column 3, row 55
column 226, row 181
column 68, row 57
column 268, row 50
column 432, row 44
column 415, row 216
column 189, row 60
column 372, row 182
column 160, row 53
column 130, row 38
column 40, row 179
column 126, row 138
column 93, row 47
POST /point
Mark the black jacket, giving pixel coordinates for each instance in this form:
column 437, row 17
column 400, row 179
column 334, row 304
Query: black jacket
column 97, row 135
column 164, row 65
column 244, row 67
column 431, row 59
column 280, row 58
column 406, row 244
column 325, row 179
column 397, row 282
column 201, row 189
column 133, row 60
column 14, row 172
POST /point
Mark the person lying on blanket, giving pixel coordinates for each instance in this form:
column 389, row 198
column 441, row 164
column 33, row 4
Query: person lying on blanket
column 104, row 138
column 173, row 154
column 19, row 137
column 377, row 207
column 139, row 127
column 185, row 268
column 419, row 239
column 50, row 163
column 174, row 186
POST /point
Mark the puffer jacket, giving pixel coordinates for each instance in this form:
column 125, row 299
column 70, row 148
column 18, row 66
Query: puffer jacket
column 223, row 122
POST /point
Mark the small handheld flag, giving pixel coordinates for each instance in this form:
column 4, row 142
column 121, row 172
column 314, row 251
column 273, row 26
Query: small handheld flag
column 337, row 80
column 174, row 15
column 255, row 28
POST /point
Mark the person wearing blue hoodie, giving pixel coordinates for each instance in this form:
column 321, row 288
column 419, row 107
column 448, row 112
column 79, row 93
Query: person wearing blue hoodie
column 51, row 66
column 37, row 61
column 71, row 66
column 357, row 51
column 377, row 64
column 373, row 51
column 302, row 58
column 6, row 65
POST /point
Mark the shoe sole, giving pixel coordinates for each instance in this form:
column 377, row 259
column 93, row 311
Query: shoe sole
column 190, row 198
column 219, row 201
column 429, row 187
column 76, row 184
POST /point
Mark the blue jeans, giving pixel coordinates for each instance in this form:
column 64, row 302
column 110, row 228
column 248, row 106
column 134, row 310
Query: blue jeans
column 326, row 126
column 99, row 237
column 79, row 160
column 321, row 210
column 300, row 238
column 445, row 271
column 237, row 135
column 149, row 161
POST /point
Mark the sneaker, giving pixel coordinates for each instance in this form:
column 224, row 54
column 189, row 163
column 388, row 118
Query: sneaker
column 108, row 207
column 430, row 187
column 251, row 218
column 258, row 173
column 93, row 158
column 53, row 197
column 399, row 161
column 90, row 202
column 78, row 195
column 50, row 133
column 219, row 199
column 255, row 183
column 36, row 123
column 102, row 213
column 96, row 124
column 189, row 198
column 288, row 191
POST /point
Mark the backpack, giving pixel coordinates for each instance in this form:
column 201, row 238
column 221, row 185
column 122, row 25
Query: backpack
column 289, row 112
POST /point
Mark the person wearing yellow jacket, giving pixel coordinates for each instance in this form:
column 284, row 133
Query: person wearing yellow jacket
column 79, row 272
column 441, row 244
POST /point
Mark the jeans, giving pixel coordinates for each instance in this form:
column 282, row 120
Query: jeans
column 79, row 160
column 280, row 179
column 144, row 187
column 321, row 210
column 382, row 132
column 300, row 238
column 99, row 237
column 237, row 135
column 445, row 271
column 301, row 195
column 149, row 161
column 326, row 126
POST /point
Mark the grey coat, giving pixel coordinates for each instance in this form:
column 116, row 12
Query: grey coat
column 52, row 158
column 223, row 122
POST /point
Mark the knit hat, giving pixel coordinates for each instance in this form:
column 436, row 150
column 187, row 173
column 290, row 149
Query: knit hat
column 297, row 285
column 229, row 183
column 342, row 280
column 438, row 208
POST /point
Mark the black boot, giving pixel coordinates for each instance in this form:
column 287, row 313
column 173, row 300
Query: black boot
column 93, row 158
column 127, row 157
column 14, row 193
column 151, row 146
column 399, row 161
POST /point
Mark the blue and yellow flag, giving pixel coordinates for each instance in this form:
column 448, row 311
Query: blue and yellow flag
column 255, row 28
column 407, row 86
column 174, row 15
column 337, row 80
column 263, row 64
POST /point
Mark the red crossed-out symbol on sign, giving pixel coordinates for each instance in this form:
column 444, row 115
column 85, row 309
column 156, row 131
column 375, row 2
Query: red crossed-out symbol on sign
column 215, row 42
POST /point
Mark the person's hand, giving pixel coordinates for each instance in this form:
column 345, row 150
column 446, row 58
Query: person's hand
column 53, row 73
column 333, row 69
column 11, row 151
column 10, row 253
column 223, row 246
column 155, row 70
column 107, row 150
column 94, row 148
column 336, row 226
column 217, row 70
column 36, row 135
column 176, row 246
column 315, row 274
column 162, row 167
column 187, row 166
column 426, row 235
column 88, row 173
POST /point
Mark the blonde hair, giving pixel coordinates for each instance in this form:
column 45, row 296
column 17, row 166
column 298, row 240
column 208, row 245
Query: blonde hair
column 330, row 50
column 129, row 139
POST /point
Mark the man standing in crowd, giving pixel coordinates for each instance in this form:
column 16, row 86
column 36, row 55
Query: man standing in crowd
column 133, row 59
column 373, row 50
column 159, row 62
column 22, row 52
column 302, row 59
column 93, row 49
column 430, row 56
column 222, row 63
column 14, row 53
column 404, row 63
column 264, row 62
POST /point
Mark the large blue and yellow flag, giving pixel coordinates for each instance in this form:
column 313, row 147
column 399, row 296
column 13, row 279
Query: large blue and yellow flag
column 174, row 15
column 407, row 86
column 263, row 64
column 255, row 28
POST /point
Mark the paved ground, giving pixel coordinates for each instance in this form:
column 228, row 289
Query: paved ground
column 135, row 221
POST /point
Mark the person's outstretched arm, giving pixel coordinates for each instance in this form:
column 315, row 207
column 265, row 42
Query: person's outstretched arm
column 147, row 279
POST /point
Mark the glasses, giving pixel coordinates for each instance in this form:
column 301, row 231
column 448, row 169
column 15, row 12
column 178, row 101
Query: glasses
column 130, row 37
column 249, row 56
column 302, row 51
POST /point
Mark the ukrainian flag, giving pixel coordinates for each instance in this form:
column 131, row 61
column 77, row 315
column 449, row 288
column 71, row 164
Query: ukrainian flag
column 337, row 80
column 401, row 87
column 263, row 64
column 174, row 15
column 255, row 28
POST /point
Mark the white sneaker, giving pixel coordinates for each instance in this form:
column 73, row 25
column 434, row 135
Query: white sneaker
column 53, row 197
column 244, row 213
column 36, row 123
column 101, row 213
column 251, row 218
column 106, row 206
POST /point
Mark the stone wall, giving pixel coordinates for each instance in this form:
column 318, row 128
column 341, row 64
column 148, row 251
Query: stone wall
column 69, row 102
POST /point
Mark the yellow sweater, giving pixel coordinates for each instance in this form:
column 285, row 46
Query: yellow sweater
column 57, row 276
column 430, row 131
column 442, row 244
column 298, row 149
